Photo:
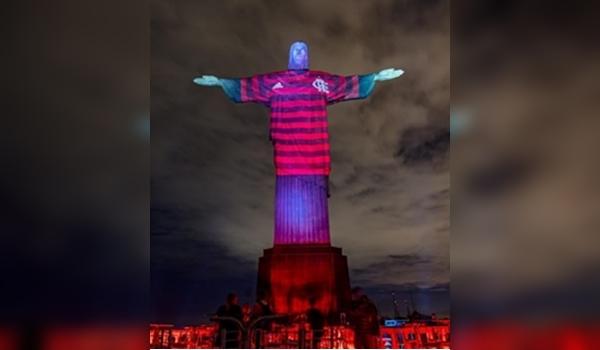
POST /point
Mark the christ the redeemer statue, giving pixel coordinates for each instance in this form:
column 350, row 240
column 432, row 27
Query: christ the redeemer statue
column 298, row 99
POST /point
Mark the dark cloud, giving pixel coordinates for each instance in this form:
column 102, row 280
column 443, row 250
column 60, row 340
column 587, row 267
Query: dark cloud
column 362, row 194
column 409, row 260
column 409, row 297
column 394, row 262
column 424, row 145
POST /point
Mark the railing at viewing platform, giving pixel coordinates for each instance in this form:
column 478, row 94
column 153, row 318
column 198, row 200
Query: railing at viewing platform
column 297, row 335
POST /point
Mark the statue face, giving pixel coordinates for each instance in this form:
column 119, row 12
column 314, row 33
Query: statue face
column 298, row 56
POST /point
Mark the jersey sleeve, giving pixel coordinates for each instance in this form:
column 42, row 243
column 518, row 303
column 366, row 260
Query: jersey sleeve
column 352, row 87
column 252, row 89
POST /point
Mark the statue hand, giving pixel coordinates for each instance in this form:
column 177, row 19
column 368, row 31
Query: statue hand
column 390, row 73
column 207, row 80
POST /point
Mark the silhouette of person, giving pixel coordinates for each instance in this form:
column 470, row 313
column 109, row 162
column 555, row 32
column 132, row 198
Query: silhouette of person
column 365, row 320
column 230, row 327
column 261, row 309
column 317, row 321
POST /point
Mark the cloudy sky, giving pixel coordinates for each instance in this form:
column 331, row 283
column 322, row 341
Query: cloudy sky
column 212, row 174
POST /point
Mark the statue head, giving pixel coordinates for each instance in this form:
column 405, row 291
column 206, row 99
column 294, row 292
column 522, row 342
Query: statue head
column 298, row 55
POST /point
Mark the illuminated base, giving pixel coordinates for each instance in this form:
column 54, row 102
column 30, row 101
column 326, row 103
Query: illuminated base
column 294, row 274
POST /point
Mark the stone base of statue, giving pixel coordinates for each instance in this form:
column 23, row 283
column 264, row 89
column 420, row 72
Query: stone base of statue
column 296, row 276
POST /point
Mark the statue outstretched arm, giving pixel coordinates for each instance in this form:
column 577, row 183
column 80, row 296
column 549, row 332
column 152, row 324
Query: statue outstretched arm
column 242, row 90
column 356, row 87
column 231, row 87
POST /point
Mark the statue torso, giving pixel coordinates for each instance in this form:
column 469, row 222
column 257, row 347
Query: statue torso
column 298, row 125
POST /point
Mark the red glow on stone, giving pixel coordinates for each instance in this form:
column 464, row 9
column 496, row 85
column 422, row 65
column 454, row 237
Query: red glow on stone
column 293, row 275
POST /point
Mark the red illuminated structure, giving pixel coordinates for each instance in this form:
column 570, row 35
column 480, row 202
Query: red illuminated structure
column 294, row 274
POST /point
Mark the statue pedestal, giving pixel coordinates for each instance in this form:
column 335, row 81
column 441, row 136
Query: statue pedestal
column 292, row 275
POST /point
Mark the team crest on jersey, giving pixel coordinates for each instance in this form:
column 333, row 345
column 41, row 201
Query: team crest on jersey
column 279, row 85
column 321, row 85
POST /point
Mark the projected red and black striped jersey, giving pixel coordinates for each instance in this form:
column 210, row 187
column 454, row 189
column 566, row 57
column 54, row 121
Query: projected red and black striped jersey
column 298, row 102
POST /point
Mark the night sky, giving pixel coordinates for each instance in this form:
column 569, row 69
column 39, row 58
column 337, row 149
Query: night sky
column 212, row 174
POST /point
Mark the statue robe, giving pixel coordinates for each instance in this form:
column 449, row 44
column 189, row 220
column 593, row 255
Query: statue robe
column 298, row 101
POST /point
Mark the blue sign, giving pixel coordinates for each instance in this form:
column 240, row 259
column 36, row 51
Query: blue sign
column 393, row 323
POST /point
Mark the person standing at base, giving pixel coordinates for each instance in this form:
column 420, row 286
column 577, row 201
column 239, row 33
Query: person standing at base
column 365, row 321
column 260, row 309
column 317, row 322
column 231, row 327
